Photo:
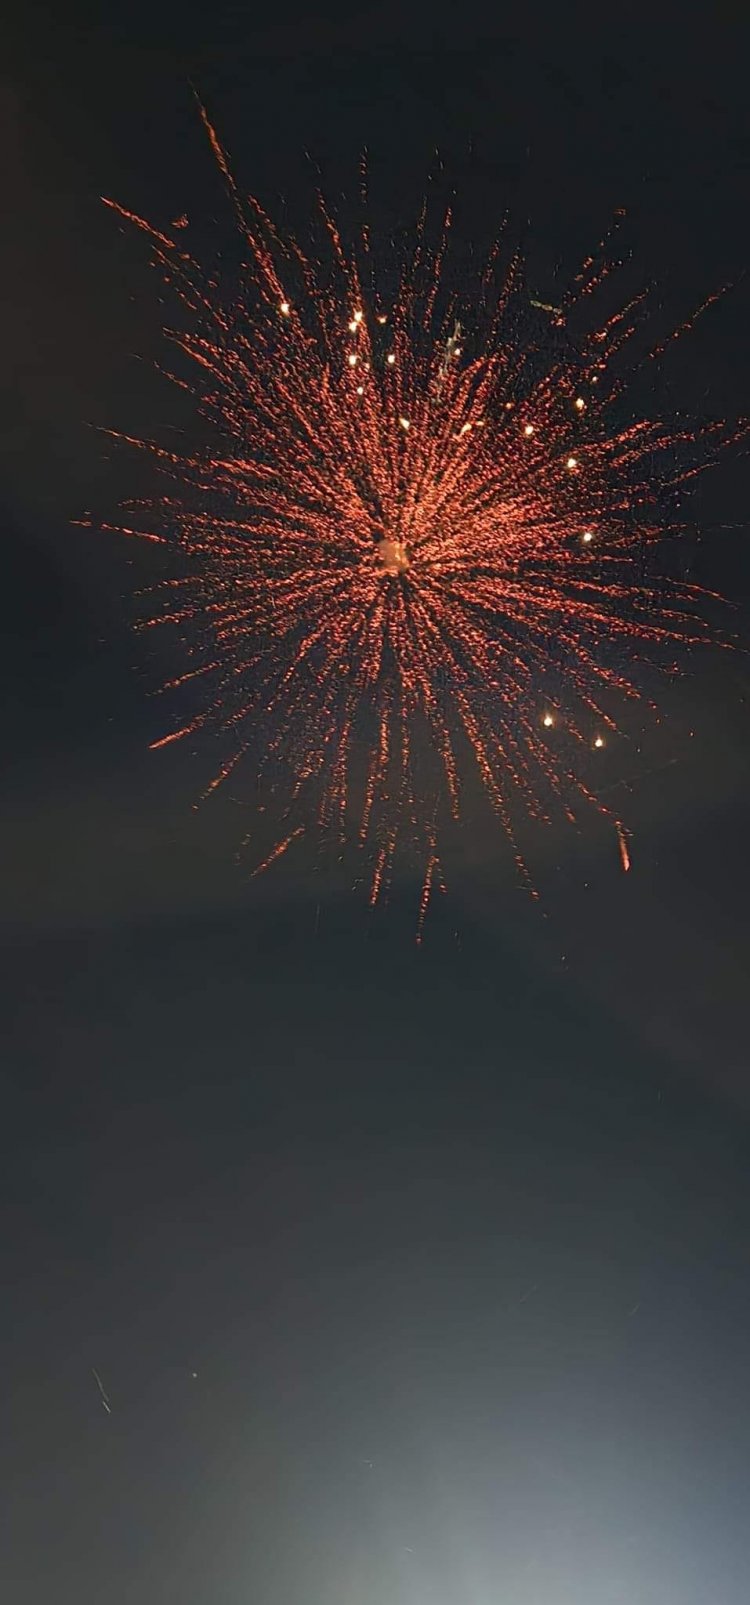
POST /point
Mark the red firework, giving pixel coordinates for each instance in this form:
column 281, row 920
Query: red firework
column 414, row 532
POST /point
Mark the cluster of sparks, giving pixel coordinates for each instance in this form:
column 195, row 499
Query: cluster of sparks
column 416, row 544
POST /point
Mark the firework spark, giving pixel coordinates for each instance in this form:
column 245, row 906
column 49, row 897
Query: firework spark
column 417, row 543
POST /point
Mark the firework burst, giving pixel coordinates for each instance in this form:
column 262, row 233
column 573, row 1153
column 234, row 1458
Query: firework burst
column 417, row 542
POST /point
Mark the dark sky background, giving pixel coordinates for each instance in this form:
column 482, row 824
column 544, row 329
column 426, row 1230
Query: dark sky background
column 416, row 1276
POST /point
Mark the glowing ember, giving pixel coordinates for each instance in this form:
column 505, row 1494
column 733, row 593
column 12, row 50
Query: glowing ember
column 330, row 678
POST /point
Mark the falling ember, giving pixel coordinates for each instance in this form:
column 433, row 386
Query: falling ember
column 293, row 521
column 622, row 841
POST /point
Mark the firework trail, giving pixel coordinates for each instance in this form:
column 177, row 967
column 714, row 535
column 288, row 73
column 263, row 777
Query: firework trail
column 103, row 1395
column 417, row 543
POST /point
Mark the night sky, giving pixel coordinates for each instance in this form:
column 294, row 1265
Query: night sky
column 413, row 1276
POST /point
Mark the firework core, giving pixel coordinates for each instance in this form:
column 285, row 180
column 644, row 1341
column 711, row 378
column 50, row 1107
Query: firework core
column 393, row 556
